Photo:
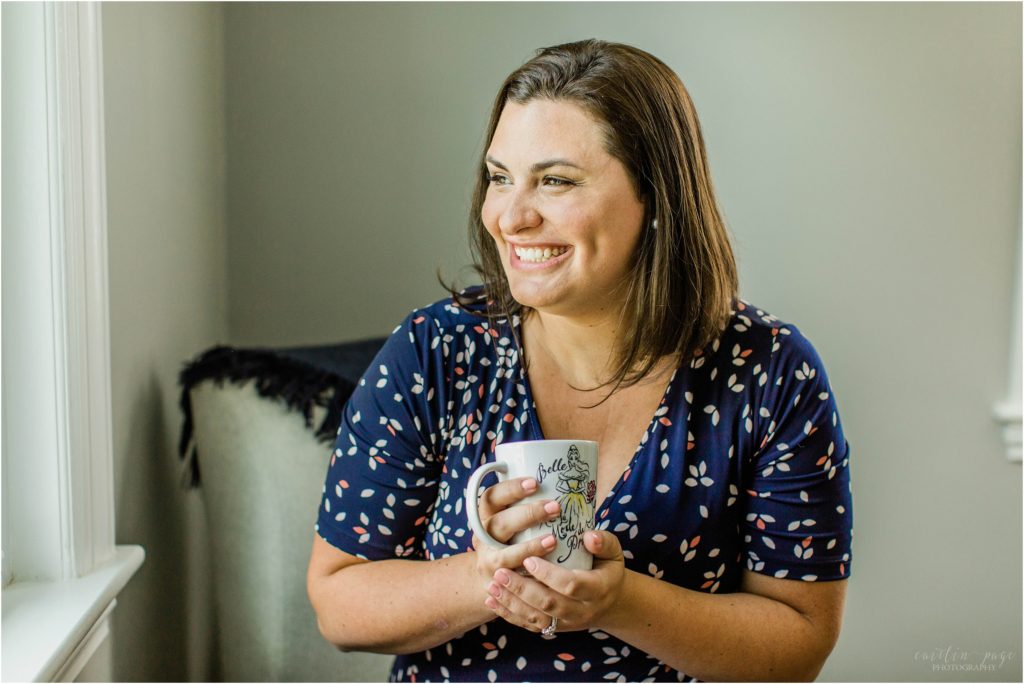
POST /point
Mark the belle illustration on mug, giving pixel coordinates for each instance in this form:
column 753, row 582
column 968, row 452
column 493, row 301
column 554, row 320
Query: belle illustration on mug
column 566, row 471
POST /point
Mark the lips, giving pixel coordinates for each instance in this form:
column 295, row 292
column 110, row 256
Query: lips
column 532, row 257
column 538, row 254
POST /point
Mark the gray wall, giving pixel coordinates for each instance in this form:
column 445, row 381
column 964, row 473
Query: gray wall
column 164, row 107
column 867, row 158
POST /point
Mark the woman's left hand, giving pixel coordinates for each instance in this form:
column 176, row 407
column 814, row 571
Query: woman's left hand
column 578, row 598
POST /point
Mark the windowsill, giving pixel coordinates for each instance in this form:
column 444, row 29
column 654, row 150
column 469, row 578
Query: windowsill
column 51, row 628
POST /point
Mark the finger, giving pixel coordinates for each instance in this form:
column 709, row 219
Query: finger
column 570, row 583
column 502, row 611
column 515, row 610
column 514, row 555
column 505, row 524
column 504, row 494
column 531, row 592
column 603, row 545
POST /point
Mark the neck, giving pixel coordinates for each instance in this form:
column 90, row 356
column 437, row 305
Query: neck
column 583, row 352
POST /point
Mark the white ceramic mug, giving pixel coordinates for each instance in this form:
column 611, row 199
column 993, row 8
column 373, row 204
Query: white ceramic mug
column 566, row 472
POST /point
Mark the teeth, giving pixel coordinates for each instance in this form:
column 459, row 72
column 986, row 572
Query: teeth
column 537, row 255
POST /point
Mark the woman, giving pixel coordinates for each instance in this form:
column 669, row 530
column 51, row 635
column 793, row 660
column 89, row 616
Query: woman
column 608, row 312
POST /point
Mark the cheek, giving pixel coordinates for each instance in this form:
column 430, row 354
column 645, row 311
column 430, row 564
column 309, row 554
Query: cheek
column 627, row 240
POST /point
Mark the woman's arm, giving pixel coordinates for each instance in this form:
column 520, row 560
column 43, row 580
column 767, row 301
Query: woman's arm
column 393, row 606
column 774, row 629
column 407, row 606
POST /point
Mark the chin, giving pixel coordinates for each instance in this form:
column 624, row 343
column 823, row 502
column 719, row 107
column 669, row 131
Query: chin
column 525, row 296
column 548, row 300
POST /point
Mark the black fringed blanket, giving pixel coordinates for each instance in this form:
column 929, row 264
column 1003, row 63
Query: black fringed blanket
column 303, row 377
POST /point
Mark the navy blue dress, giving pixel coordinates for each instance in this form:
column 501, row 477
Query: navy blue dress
column 743, row 466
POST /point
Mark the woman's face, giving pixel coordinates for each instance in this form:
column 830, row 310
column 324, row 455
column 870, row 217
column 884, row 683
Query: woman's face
column 561, row 210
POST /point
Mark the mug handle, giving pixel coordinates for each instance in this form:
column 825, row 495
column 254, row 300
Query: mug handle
column 473, row 501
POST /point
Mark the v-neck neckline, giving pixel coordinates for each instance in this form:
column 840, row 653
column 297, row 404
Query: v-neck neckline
column 537, row 432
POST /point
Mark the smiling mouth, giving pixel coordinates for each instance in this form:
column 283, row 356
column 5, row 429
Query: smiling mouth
column 538, row 255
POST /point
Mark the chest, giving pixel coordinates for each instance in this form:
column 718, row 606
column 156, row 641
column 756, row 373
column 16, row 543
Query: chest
column 675, row 508
column 617, row 425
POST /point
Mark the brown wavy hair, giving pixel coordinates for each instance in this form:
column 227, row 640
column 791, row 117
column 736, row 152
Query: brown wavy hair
column 680, row 291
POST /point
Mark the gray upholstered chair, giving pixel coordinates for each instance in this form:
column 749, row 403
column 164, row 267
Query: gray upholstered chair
column 262, row 471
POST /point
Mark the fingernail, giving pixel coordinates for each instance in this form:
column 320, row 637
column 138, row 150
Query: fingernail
column 530, row 564
column 551, row 507
column 494, row 590
column 548, row 542
column 502, row 577
column 491, row 603
column 529, row 485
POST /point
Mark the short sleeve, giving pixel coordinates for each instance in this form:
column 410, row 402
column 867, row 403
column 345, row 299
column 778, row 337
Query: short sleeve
column 384, row 471
column 798, row 522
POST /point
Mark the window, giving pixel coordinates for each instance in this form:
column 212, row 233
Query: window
column 60, row 565
column 1008, row 412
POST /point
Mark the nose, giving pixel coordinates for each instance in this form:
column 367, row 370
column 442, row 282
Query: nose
column 518, row 213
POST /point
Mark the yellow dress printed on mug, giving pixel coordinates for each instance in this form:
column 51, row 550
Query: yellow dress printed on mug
column 576, row 502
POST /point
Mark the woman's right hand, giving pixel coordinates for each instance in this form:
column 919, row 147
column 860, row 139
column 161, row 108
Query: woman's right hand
column 503, row 516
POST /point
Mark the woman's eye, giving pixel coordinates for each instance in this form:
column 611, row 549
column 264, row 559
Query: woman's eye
column 558, row 181
column 499, row 179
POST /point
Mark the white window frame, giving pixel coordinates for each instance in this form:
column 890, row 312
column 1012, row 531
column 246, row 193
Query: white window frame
column 1007, row 413
column 61, row 569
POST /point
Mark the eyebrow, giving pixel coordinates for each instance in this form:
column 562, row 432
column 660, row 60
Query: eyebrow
column 539, row 166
